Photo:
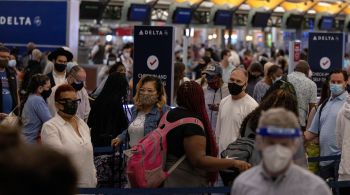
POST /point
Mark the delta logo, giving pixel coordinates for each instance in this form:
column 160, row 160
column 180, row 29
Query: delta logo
column 20, row 21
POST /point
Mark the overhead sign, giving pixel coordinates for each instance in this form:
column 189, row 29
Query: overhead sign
column 153, row 55
column 326, row 53
column 41, row 22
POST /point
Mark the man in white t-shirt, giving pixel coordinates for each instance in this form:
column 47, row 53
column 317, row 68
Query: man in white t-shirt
column 233, row 109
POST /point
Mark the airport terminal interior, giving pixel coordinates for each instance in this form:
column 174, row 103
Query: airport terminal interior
column 240, row 97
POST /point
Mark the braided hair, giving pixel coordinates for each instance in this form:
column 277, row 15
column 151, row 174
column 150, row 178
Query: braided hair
column 190, row 95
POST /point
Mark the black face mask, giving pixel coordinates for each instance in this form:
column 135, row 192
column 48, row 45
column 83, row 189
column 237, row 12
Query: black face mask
column 234, row 88
column 69, row 107
column 77, row 86
column 46, row 93
column 60, row 67
column 348, row 88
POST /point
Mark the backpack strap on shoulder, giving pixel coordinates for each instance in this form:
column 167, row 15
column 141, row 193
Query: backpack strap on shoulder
column 188, row 120
column 163, row 120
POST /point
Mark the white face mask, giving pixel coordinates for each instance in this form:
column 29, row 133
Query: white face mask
column 276, row 158
column 111, row 63
column 277, row 79
column 12, row 63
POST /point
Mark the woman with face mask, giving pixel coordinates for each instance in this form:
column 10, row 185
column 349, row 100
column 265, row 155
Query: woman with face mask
column 278, row 137
column 149, row 106
column 35, row 111
column 69, row 134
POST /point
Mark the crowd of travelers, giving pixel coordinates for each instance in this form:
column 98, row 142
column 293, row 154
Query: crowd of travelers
column 256, row 123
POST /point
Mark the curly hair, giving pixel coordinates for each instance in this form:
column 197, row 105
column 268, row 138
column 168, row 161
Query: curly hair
column 277, row 98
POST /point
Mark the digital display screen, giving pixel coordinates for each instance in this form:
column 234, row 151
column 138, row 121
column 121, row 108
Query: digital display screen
column 295, row 21
column 260, row 19
column 90, row 10
column 326, row 23
column 182, row 16
column 223, row 17
column 139, row 12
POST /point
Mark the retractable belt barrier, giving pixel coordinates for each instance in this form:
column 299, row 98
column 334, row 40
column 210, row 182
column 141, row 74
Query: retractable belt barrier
column 97, row 150
column 155, row 191
column 324, row 158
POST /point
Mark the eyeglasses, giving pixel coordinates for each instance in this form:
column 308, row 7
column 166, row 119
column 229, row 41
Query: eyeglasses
column 143, row 91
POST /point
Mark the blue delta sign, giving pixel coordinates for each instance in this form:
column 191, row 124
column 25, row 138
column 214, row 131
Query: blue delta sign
column 153, row 55
column 326, row 53
column 41, row 22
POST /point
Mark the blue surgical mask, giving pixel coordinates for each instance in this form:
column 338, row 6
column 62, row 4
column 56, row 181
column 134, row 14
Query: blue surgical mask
column 336, row 89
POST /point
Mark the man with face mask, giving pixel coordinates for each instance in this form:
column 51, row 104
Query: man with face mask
column 324, row 123
column 214, row 92
column 233, row 109
column 75, row 78
column 8, row 84
column 278, row 137
column 59, row 58
column 126, row 58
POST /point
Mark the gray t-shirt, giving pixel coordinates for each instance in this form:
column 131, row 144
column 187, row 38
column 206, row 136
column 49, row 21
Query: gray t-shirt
column 259, row 90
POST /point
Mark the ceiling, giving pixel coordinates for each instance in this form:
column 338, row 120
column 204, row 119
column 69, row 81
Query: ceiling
column 310, row 6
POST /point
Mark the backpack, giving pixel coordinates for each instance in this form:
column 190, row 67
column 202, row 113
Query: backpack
column 145, row 166
column 241, row 149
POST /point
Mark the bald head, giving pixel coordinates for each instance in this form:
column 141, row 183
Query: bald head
column 302, row 67
column 239, row 75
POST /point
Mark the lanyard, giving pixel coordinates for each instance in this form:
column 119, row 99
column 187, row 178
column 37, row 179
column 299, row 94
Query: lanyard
column 211, row 113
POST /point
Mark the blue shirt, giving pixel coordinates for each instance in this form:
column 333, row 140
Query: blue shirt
column 327, row 125
column 6, row 94
column 35, row 114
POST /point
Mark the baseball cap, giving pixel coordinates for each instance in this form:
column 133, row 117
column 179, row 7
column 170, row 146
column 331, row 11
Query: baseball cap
column 213, row 69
